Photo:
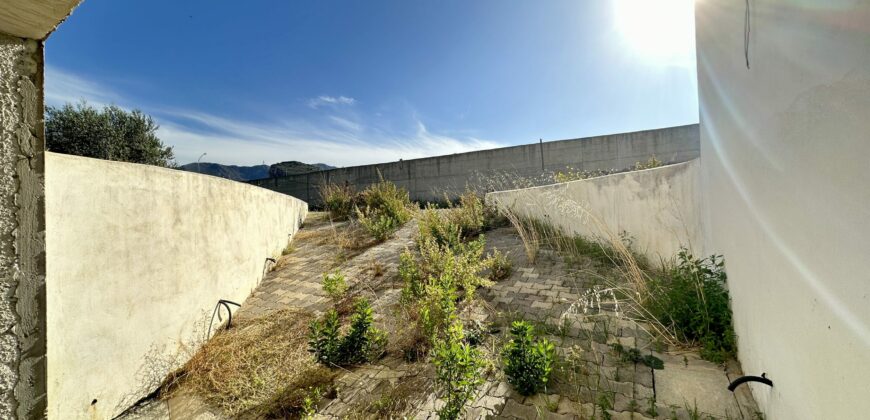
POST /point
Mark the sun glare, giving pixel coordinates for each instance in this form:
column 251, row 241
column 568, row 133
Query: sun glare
column 661, row 30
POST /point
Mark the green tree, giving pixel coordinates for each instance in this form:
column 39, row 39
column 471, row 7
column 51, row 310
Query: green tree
column 111, row 133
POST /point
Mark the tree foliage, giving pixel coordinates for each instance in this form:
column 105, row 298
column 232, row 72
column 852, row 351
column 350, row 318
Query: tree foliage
column 111, row 133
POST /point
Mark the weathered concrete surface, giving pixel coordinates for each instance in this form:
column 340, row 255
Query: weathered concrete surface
column 428, row 179
column 658, row 208
column 34, row 19
column 784, row 148
column 138, row 258
column 22, row 228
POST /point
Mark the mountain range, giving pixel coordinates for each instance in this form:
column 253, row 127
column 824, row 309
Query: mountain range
column 246, row 173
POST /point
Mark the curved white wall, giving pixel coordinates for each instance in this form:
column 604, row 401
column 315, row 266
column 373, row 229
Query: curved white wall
column 136, row 256
column 658, row 208
column 784, row 147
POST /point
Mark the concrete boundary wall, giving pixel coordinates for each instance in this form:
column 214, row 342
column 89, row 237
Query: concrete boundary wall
column 427, row 179
column 658, row 208
column 138, row 258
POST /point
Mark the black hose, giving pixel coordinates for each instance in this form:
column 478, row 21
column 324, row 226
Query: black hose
column 226, row 304
column 763, row 379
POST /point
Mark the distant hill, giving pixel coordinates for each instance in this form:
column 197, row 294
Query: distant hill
column 246, row 173
column 293, row 168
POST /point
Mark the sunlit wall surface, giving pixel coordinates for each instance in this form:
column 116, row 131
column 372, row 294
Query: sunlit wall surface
column 784, row 92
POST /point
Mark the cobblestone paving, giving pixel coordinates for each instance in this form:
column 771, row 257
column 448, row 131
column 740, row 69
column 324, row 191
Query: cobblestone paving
column 590, row 381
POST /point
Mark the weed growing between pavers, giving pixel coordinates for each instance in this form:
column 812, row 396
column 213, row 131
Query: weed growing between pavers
column 362, row 343
column 691, row 298
column 334, row 284
column 380, row 210
column 527, row 361
column 458, row 368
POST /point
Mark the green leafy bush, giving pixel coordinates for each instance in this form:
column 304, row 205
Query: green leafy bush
column 435, row 225
column 324, row 339
column 463, row 263
column 412, row 277
column 334, row 284
column 500, row 265
column 362, row 343
column 469, row 216
column 437, row 305
column 458, row 368
column 338, row 200
column 379, row 226
column 692, row 300
column 652, row 162
column 385, row 207
column 527, row 363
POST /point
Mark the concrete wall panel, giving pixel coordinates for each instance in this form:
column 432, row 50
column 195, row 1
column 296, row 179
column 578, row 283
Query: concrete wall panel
column 658, row 208
column 427, row 179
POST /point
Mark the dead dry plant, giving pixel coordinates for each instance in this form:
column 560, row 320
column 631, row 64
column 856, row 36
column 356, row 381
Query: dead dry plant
column 260, row 368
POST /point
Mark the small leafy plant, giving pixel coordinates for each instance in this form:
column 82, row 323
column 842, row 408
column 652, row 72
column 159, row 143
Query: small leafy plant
column 334, row 284
column 458, row 367
column 500, row 265
column 362, row 343
column 691, row 298
column 527, row 362
column 309, row 403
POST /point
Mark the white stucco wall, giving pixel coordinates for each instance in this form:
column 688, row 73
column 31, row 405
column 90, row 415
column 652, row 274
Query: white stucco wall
column 137, row 256
column 658, row 208
column 784, row 152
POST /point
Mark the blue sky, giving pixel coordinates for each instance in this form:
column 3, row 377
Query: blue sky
column 355, row 82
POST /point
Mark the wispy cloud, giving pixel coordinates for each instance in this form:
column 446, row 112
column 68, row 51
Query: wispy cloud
column 341, row 140
column 62, row 87
column 323, row 100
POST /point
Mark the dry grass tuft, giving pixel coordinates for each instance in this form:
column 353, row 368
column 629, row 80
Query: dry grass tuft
column 261, row 368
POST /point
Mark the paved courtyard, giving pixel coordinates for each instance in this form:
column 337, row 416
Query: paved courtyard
column 569, row 306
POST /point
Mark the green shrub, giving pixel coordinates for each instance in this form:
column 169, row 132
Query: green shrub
column 571, row 174
column 437, row 306
column 463, row 262
column 500, row 265
column 652, row 162
column 362, row 343
column 413, row 279
column 469, row 216
column 379, row 226
column 691, row 299
column 324, row 339
column 433, row 224
column 338, row 200
column 527, row 363
column 334, row 284
column 385, row 208
column 458, row 371
column 388, row 199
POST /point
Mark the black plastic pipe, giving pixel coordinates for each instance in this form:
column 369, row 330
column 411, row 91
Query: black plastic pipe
column 763, row 379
